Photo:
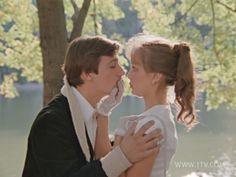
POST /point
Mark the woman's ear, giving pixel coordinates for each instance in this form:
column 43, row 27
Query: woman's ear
column 157, row 77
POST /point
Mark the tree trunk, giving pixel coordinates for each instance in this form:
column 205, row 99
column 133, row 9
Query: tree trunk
column 53, row 42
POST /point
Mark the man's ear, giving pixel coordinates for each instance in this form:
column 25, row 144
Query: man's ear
column 86, row 76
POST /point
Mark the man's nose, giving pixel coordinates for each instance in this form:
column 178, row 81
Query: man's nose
column 121, row 71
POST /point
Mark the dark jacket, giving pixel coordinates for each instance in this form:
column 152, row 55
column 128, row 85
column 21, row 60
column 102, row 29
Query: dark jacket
column 53, row 147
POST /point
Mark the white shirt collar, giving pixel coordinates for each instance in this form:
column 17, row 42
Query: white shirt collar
column 87, row 112
column 86, row 108
column 157, row 109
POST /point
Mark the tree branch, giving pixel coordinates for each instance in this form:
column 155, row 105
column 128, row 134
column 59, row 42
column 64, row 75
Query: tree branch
column 226, row 6
column 76, row 11
column 79, row 21
column 214, row 28
column 94, row 15
column 189, row 9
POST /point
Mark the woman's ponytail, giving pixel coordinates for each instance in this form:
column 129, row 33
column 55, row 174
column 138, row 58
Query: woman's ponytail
column 185, row 85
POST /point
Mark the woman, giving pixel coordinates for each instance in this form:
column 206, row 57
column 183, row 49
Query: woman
column 156, row 65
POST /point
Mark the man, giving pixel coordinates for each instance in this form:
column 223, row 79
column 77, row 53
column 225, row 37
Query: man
column 63, row 136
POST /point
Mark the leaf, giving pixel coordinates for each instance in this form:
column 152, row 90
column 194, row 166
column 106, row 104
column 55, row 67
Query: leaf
column 7, row 88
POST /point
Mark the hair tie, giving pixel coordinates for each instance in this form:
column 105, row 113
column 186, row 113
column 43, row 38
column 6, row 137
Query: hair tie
column 181, row 48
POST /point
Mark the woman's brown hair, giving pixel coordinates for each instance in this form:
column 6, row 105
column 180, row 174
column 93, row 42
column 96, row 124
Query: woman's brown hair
column 175, row 62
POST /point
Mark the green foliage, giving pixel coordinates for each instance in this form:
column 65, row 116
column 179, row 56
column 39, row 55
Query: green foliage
column 217, row 51
column 19, row 41
column 103, row 8
column 19, row 46
column 7, row 89
column 210, row 27
column 124, row 62
column 155, row 15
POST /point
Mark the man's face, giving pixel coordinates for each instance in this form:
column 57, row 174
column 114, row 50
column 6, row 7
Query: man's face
column 109, row 73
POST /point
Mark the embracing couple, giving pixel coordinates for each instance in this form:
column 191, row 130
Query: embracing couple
column 69, row 137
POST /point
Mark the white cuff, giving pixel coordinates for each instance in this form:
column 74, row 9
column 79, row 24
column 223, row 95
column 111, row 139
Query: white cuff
column 103, row 113
column 115, row 162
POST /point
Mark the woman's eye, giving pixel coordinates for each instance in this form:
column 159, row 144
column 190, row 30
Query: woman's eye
column 134, row 68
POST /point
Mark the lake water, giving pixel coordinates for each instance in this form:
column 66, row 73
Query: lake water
column 210, row 147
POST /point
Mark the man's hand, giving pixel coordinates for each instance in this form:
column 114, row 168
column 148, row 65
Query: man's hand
column 106, row 104
column 138, row 146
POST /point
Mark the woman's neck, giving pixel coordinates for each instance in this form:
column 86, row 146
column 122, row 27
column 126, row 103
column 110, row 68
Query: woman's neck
column 158, row 98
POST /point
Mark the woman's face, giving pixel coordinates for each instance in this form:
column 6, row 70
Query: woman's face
column 140, row 80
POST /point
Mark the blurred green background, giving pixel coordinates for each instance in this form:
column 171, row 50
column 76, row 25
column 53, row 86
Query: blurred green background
column 209, row 26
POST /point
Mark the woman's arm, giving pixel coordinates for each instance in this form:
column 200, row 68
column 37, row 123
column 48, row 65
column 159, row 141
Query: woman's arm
column 102, row 142
column 143, row 168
